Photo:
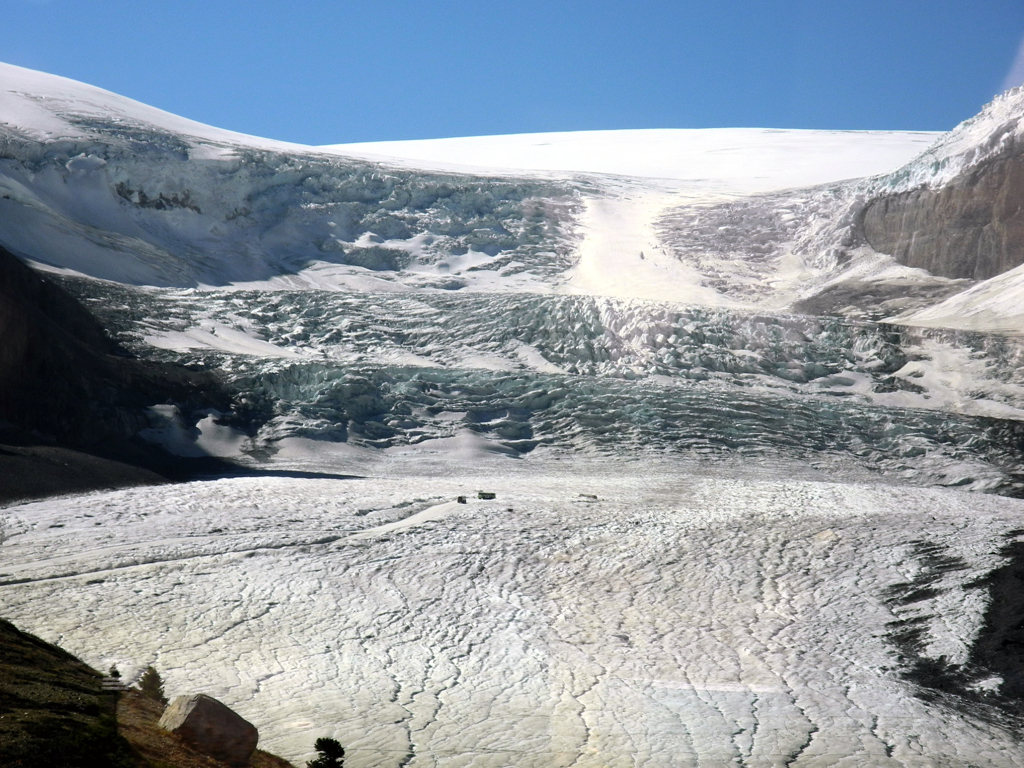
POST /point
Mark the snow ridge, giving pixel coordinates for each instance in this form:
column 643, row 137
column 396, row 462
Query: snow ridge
column 995, row 131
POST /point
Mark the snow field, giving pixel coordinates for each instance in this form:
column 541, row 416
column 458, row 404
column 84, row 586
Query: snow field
column 677, row 620
column 722, row 160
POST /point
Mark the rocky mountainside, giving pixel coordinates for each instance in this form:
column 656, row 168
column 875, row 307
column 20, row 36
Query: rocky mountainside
column 71, row 400
column 972, row 227
column 965, row 221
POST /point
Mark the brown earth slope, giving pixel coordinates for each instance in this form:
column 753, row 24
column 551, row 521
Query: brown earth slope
column 54, row 712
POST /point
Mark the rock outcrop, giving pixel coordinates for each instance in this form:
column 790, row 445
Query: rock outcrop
column 212, row 728
column 62, row 378
column 972, row 227
column 71, row 400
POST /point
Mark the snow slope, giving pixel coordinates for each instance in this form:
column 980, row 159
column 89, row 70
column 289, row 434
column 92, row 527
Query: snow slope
column 993, row 305
column 52, row 109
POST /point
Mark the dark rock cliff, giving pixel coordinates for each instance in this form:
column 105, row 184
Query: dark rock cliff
column 71, row 401
column 64, row 380
column 973, row 227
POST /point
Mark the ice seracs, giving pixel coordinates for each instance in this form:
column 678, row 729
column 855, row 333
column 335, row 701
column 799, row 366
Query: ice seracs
column 111, row 188
column 114, row 189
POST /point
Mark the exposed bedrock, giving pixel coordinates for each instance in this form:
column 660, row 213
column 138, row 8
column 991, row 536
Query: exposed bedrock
column 972, row 227
column 62, row 378
column 72, row 400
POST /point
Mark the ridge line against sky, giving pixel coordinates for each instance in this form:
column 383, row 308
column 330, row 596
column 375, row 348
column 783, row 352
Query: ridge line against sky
column 326, row 72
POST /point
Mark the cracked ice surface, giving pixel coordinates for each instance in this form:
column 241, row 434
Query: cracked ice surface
column 679, row 619
column 587, row 374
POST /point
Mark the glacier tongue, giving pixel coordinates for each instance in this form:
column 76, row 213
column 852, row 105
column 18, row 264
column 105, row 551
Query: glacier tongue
column 587, row 616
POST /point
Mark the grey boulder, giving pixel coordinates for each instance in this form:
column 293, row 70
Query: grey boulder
column 211, row 728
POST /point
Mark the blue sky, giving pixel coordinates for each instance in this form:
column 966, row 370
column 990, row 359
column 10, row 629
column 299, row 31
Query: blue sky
column 348, row 70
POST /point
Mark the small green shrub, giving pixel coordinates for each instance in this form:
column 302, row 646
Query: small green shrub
column 332, row 754
column 152, row 685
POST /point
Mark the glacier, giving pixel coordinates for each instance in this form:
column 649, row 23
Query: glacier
column 758, row 486
column 678, row 618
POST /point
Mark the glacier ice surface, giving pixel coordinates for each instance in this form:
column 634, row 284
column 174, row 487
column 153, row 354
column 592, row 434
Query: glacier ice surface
column 685, row 616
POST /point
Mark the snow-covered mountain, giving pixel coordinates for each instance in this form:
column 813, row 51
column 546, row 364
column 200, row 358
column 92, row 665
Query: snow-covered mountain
column 111, row 188
column 743, row 218
column 742, row 519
